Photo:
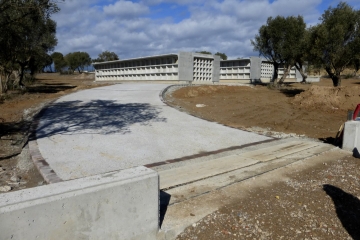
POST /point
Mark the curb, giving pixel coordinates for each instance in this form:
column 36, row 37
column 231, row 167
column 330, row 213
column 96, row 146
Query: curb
column 40, row 163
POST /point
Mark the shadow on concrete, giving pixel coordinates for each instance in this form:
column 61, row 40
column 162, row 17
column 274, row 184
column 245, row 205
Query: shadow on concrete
column 164, row 203
column 347, row 208
column 95, row 117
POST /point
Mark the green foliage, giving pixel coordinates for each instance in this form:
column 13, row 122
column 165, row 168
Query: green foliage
column 106, row 56
column 280, row 41
column 27, row 33
column 77, row 61
column 204, row 52
column 59, row 61
column 335, row 42
column 222, row 55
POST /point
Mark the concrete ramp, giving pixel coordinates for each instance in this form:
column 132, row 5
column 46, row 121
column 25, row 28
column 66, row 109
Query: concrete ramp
column 193, row 189
column 284, row 152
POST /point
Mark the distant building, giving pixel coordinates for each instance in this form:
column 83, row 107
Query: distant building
column 189, row 67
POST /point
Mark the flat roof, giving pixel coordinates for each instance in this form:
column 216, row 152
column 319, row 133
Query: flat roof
column 139, row 58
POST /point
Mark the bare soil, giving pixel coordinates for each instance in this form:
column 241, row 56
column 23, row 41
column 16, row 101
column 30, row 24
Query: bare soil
column 17, row 110
column 314, row 110
column 317, row 203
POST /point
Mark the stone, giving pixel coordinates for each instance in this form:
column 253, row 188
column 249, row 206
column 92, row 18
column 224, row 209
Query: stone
column 5, row 188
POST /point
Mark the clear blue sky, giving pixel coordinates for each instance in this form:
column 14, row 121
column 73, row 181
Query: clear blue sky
column 151, row 27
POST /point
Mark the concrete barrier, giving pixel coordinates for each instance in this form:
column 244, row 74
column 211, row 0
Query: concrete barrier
column 117, row 205
column 351, row 141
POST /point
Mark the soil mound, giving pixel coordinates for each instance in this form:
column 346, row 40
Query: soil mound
column 320, row 97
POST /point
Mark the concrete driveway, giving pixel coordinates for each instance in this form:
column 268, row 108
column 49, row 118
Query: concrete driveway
column 121, row 126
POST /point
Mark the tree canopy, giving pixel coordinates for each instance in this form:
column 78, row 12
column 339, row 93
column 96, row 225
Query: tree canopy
column 59, row 61
column 77, row 61
column 280, row 42
column 204, row 52
column 106, row 56
column 335, row 42
column 27, row 34
column 222, row 55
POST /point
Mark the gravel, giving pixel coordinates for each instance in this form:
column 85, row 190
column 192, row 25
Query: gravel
column 318, row 203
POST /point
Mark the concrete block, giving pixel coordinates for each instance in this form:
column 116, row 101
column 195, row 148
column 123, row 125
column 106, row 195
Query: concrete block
column 117, row 205
column 216, row 69
column 255, row 69
column 186, row 66
column 351, row 141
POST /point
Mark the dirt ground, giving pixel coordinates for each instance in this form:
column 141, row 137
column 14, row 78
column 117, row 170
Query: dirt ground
column 17, row 109
column 315, row 110
column 317, row 203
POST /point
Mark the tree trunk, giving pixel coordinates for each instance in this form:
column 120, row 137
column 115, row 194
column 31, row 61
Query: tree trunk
column 335, row 77
column 1, row 84
column 21, row 77
column 299, row 67
column 276, row 72
column 286, row 73
column 336, row 81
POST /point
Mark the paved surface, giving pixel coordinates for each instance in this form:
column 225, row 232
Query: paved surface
column 122, row 126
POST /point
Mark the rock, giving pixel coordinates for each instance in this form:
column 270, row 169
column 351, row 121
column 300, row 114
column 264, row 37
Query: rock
column 5, row 188
column 200, row 105
column 15, row 178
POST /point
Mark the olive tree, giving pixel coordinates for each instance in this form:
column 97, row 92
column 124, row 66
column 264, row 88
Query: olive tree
column 106, row 56
column 77, row 61
column 59, row 61
column 280, row 42
column 335, row 42
column 223, row 56
column 27, row 33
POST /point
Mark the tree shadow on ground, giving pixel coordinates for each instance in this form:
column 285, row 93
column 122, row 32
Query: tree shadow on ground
column 55, row 84
column 291, row 92
column 164, row 203
column 49, row 88
column 94, row 117
column 347, row 209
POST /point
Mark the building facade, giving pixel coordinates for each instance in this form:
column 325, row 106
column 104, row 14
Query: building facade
column 184, row 66
column 189, row 67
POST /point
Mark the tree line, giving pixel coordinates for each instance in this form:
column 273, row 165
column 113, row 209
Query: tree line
column 77, row 61
column 333, row 44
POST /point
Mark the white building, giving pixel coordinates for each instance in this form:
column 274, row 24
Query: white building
column 189, row 67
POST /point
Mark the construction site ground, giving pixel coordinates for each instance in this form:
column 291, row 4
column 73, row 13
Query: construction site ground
column 316, row 200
